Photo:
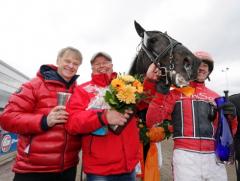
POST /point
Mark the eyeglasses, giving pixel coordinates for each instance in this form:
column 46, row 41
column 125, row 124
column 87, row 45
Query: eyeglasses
column 97, row 65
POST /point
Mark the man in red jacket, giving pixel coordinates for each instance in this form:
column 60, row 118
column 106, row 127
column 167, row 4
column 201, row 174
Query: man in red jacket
column 194, row 122
column 109, row 156
column 46, row 152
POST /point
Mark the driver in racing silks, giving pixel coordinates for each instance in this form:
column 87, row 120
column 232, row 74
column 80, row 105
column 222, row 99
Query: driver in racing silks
column 193, row 113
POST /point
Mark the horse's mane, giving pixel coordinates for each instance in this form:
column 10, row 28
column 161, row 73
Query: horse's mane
column 139, row 63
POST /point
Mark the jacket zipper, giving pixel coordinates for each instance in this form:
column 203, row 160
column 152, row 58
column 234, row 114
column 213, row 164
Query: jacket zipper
column 27, row 149
column 64, row 150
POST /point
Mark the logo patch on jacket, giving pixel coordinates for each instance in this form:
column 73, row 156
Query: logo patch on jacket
column 18, row 90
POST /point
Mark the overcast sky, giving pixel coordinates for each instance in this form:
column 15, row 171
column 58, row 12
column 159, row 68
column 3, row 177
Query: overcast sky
column 32, row 32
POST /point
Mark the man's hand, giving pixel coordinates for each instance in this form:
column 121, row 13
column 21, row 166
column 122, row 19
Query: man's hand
column 117, row 118
column 153, row 73
column 57, row 115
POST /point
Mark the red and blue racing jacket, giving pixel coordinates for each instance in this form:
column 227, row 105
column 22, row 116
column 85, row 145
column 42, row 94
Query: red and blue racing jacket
column 194, row 117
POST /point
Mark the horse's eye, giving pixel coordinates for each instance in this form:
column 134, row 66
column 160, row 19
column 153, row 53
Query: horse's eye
column 153, row 40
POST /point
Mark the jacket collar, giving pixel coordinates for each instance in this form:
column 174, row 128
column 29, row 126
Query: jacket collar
column 49, row 72
column 103, row 80
column 197, row 84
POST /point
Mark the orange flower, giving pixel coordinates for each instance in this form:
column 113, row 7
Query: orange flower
column 138, row 86
column 156, row 134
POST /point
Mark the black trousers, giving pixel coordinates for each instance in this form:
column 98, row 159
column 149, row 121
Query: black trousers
column 67, row 175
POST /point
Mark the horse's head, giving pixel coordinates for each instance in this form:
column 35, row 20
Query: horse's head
column 177, row 64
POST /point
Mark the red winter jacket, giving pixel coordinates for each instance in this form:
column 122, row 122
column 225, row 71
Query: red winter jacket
column 193, row 129
column 53, row 150
column 102, row 155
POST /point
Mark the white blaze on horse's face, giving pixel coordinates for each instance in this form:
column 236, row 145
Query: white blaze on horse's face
column 180, row 80
column 145, row 39
column 177, row 79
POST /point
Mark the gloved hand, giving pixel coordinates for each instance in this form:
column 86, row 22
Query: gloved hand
column 228, row 109
column 212, row 112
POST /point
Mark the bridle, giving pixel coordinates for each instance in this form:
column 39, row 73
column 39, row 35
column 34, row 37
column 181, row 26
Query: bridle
column 156, row 58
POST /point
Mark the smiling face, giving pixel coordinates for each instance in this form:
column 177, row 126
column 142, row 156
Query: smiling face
column 68, row 64
column 102, row 65
column 203, row 72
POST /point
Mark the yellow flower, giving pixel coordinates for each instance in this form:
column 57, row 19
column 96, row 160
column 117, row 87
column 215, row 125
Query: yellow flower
column 127, row 78
column 127, row 95
column 117, row 84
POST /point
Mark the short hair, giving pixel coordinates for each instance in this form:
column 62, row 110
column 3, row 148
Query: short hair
column 100, row 54
column 72, row 49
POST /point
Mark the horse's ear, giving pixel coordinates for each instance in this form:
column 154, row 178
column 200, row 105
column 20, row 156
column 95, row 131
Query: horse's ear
column 139, row 29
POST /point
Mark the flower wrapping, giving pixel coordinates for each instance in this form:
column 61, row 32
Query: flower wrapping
column 98, row 102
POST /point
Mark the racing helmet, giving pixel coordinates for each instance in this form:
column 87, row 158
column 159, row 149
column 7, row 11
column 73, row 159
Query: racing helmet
column 206, row 58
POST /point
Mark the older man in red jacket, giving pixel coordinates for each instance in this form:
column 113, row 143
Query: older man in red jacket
column 45, row 150
column 110, row 156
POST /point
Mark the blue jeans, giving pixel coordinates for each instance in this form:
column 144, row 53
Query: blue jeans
column 119, row 177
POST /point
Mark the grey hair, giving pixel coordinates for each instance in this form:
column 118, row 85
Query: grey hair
column 72, row 49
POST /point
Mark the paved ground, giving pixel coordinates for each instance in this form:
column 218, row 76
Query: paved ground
column 166, row 172
column 5, row 172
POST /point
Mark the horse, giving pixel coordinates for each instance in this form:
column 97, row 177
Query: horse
column 177, row 64
column 235, row 99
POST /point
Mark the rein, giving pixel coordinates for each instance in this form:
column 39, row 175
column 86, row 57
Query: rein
column 156, row 58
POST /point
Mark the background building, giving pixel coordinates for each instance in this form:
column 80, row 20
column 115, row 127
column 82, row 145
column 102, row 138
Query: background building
column 10, row 81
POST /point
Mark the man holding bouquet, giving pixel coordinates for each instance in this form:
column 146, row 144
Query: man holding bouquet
column 110, row 156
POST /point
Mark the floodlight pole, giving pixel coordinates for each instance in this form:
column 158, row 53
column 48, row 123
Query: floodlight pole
column 227, row 82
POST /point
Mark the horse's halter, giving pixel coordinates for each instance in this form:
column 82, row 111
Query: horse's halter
column 156, row 58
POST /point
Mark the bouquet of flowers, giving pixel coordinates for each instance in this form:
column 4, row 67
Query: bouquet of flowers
column 158, row 133
column 125, row 91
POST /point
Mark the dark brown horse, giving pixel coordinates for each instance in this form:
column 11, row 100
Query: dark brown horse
column 177, row 64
